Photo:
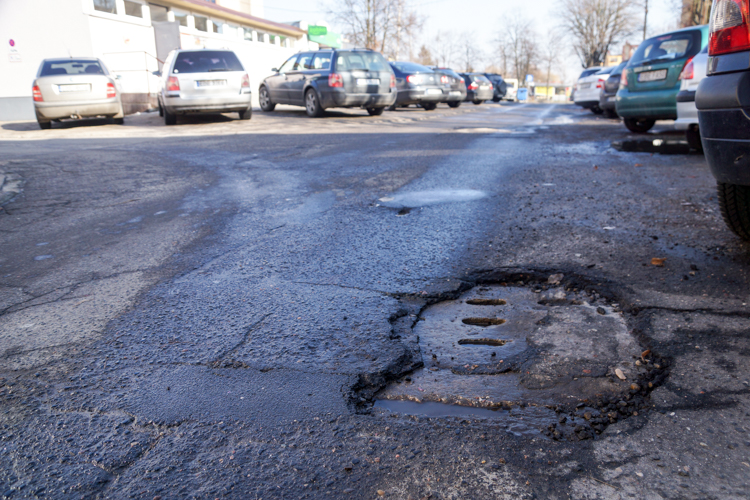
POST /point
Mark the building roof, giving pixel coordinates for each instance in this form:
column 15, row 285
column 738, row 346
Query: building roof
column 211, row 9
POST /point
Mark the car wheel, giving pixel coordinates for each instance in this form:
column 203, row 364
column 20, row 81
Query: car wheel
column 611, row 113
column 44, row 125
column 246, row 115
column 496, row 99
column 734, row 201
column 118, row 121
column 375, row 111
column 639, row 126
column 693, row 137
column 169, row 118
column 477, row 102
column 161, row 110
column 429, row 106
column 392, row 107
column 265, row 100
column 597, row 110
column 454, row 104
column 312, row 104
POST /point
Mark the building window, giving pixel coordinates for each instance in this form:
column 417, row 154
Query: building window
column 217, row 26
column 272, row 39
column 248, row 35
column 133, row 9
column 159, row 14
column 201, row 23
column 181, row 17
column 108, row 6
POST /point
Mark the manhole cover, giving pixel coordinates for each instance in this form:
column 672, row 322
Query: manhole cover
column 520, row 349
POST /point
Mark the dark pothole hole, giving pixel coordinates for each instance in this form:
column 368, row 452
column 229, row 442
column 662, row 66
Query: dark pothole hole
column 483, row 322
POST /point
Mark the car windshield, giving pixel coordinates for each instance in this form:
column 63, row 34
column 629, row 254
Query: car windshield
column 205, row 61
column 72, row 67
column 368, row 61
column 587, row 72
column 409, row 67
column 667, row 47
column 449, row 72
column 606, row 71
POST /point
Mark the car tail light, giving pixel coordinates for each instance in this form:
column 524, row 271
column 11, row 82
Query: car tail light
column 393, row 81
column 473, row 86
column 37, row 93
column 335, row 80
column 600, row 83
column 173, row 84
column 245, row 81
column 111, row 92
column 687, row 71
column 624, row 79
column 415, row 79
column 492, row 87
column 730, row 27
column 444, row 79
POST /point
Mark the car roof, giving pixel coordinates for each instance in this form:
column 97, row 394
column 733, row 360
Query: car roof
column 72, row 59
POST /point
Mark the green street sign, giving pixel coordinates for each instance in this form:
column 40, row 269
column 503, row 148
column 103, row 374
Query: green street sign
column 317, row 30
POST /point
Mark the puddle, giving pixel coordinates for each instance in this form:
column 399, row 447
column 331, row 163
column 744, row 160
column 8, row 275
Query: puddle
column 415, row 199
column 661, row 146
column 523, row 352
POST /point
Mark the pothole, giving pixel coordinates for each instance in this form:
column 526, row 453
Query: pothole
column 550, row 359
column 661, row 146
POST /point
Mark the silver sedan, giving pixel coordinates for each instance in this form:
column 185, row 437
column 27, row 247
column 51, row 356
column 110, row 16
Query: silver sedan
column 75, row 88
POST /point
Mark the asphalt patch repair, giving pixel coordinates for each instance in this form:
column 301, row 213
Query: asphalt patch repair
column 547, row 358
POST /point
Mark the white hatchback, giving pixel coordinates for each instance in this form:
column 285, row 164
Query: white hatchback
column 687, row 114
column 589, row 88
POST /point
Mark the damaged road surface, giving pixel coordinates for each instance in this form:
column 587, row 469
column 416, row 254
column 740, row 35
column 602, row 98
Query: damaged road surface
column 471, row 303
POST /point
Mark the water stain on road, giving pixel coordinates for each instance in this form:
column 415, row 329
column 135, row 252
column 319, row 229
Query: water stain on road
column 661, row 146
column 415, row 199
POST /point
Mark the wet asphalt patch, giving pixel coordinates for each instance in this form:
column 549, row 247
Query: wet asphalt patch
column 660, row 146
column 559, row 361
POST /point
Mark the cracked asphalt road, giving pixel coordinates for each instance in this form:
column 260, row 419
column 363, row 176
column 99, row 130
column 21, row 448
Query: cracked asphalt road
column 208, row 310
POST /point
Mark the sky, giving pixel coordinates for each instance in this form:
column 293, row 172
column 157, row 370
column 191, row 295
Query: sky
column 480, row 19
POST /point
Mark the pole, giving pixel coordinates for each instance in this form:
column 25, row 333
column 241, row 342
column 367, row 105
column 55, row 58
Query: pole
column 645, row 17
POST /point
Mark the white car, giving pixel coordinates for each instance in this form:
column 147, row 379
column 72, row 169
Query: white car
column 589, row 88
column 687, row 114
column 512, row 89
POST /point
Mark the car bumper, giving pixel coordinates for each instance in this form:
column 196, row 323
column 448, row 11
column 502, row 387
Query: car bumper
column 479, row 95
column 587, row 104
column 416, row 96
column 607, row 101
column 687, row 115
column 86, row 109
column 652, row 104
column 455, row 95
column 724, row 117
column 342, row 99
column 214, row 104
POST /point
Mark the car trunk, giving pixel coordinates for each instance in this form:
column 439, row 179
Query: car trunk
column 59, row 88
column 210, row 84
column 363, row 81
column 658, row 62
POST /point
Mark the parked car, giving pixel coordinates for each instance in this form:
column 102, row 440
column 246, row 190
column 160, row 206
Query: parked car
column 511, row 88
column 723, row 102
column 454, row 84
column 650, row 81
column 687, row 113
column 500, row 88
column 331, row 78
column 589, row 89
column 203, row 81
column 609, row 91
column 75, row 88
column 417, row 84
column 478, row 87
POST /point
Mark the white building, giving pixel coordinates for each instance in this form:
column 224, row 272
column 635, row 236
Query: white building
column 132, row 37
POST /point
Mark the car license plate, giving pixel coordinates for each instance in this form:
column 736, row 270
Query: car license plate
column 210, row 83
column 611, row 98
column 584, row 86
column 652, row 76
column 455, row 92
column 368, row 81
column 80, row 87
column 434, row 91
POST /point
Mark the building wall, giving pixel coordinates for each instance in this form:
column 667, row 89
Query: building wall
column 40, row 29
column 125, row 43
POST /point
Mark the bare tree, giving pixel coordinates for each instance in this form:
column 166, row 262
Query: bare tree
column 550, row 54
column 596, row 25
column 695, row 12
column 519, row 47
column 388, row 26
column 468, row 55
column 444, row 48
column 425, row 57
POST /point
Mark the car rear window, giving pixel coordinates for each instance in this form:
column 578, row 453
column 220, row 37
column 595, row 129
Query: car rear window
column 369, row 61
column 206, row 61
column 448, row 72
column 71, row 67
column 587, row 72
column 667, row 47
column 605, row 71
column 409, row 67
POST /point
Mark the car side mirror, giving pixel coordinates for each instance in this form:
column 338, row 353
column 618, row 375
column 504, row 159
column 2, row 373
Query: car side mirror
column 275, row 70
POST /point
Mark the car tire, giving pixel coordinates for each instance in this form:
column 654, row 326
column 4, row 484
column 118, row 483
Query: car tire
column 477, row 102
column 161, row 110
column 693, row 137
column 454, row 104
column 429, row 106
column 169, row 118
column 44, row 125
column 265, row 100
column 246, row 115
column 639, row 126
column 611, row 113
column 118, row 121
column 375, row 111
column 496, row 99
column 734, row 201
column 392, row 107
column 312, row 104
column 597, row 110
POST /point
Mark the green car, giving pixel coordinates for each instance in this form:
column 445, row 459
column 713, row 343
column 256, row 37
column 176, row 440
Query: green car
column 651, row 79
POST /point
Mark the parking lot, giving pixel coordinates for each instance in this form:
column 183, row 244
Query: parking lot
column 512, row 300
